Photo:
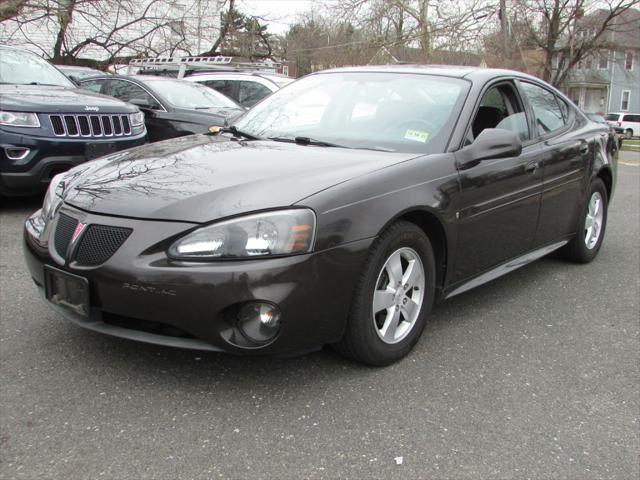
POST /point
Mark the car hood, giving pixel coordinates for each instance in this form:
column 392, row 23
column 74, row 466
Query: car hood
column 201, row 178
column 53, row 99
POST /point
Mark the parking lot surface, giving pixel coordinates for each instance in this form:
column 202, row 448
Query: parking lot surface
column 535, row 375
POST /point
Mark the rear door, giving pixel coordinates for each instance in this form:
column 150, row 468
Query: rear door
column 565, row 155
column 499, row 199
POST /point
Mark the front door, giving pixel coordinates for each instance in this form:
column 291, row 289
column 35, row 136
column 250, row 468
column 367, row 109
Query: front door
column 499, row 199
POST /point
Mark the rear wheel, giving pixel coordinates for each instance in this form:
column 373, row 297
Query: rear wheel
column 628, row 133
column 393, row 297
column 586, row 244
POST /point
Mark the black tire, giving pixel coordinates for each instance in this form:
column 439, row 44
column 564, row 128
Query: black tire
column 361, row 341
column 577, row 250
column 628, row 134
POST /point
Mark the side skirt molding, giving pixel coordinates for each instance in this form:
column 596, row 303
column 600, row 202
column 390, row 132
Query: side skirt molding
column 505, row 268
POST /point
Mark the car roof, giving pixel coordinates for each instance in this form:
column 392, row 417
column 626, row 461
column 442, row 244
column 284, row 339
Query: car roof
column 135, row 78
column 457, row 71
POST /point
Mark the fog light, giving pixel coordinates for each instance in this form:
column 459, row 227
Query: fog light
column 16, row 153
column 259, row 321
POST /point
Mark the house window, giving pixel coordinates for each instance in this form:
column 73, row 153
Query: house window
column 628, row 61
column 603, row 60
column 624, row 103
column 588, row 62
column 285, row 70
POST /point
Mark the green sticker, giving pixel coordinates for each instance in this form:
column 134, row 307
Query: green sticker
column 416, row 135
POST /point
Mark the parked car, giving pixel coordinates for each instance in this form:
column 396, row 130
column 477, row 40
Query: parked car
column 76, row 73
column 342, row 224
column 246, row 88
column 172, row 108
column 626, row 123
column 47, row 125
column 615, row 140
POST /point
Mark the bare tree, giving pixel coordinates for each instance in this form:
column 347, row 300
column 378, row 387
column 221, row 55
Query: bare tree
column 108, row 31
column 572, row 29
column 429, row 24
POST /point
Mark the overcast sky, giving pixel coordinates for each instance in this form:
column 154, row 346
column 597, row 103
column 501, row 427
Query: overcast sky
column 283, row 12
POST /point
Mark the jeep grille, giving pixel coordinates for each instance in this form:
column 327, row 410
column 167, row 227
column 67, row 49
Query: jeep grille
column 112, row 125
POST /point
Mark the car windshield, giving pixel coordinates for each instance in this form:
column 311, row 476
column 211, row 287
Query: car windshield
column 398, row 112
column 193, row 96
column 25, row 68
column 612, row 117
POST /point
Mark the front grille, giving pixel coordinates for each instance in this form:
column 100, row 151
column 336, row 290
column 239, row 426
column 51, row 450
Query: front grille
column 112, row 125
column 64, row 233
column 99, row 243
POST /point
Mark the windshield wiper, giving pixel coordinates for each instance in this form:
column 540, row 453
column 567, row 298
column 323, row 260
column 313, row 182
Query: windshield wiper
column 306, row 141
column 238, row 133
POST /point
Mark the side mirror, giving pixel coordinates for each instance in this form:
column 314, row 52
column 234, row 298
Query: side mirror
column 492, row 143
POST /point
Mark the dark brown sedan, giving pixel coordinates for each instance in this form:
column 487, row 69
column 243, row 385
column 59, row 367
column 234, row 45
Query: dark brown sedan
column 337, row 211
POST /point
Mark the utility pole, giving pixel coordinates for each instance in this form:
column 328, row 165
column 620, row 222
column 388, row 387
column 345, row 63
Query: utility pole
column 504, row 28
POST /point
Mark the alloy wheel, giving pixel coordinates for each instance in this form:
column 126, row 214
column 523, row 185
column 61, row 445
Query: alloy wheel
column 593, row 222
column 398, row 295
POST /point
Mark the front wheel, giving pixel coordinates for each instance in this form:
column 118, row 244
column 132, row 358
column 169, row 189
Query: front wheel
column 393, row 297
column 586, row 244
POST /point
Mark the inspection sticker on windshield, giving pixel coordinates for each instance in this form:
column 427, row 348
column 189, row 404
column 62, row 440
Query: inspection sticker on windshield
column 416, row 135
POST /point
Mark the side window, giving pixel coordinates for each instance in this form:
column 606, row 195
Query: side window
column 251, row 93
column 500, row 108
column 93, row 85
column 631, row 118
column 127, row 91
column 548, row 115
column 225, row 87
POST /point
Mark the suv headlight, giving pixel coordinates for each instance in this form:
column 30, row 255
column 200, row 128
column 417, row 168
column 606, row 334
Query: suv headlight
column 276, row 233
column 19, row 119
column 136, row 119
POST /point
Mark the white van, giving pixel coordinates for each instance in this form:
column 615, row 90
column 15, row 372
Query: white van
column 625, row 123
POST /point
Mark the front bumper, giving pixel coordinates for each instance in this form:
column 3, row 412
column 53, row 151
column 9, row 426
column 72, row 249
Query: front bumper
column 140, row 294
column 45, row 157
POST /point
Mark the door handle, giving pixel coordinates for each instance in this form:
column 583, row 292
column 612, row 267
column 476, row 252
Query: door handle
column 532, row 167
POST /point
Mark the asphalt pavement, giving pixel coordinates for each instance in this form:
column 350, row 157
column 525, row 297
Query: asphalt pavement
column 535, row 375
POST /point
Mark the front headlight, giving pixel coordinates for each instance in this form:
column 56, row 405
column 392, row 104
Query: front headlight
column 136, row 119
column 281, row 232
column 53, row 198
column 19, row 119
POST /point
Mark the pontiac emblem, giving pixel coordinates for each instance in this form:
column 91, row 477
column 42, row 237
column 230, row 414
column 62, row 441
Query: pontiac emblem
column 77, row 232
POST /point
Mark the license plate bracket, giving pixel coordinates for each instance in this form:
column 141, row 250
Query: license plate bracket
column 99, row 149
column 67, row 290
